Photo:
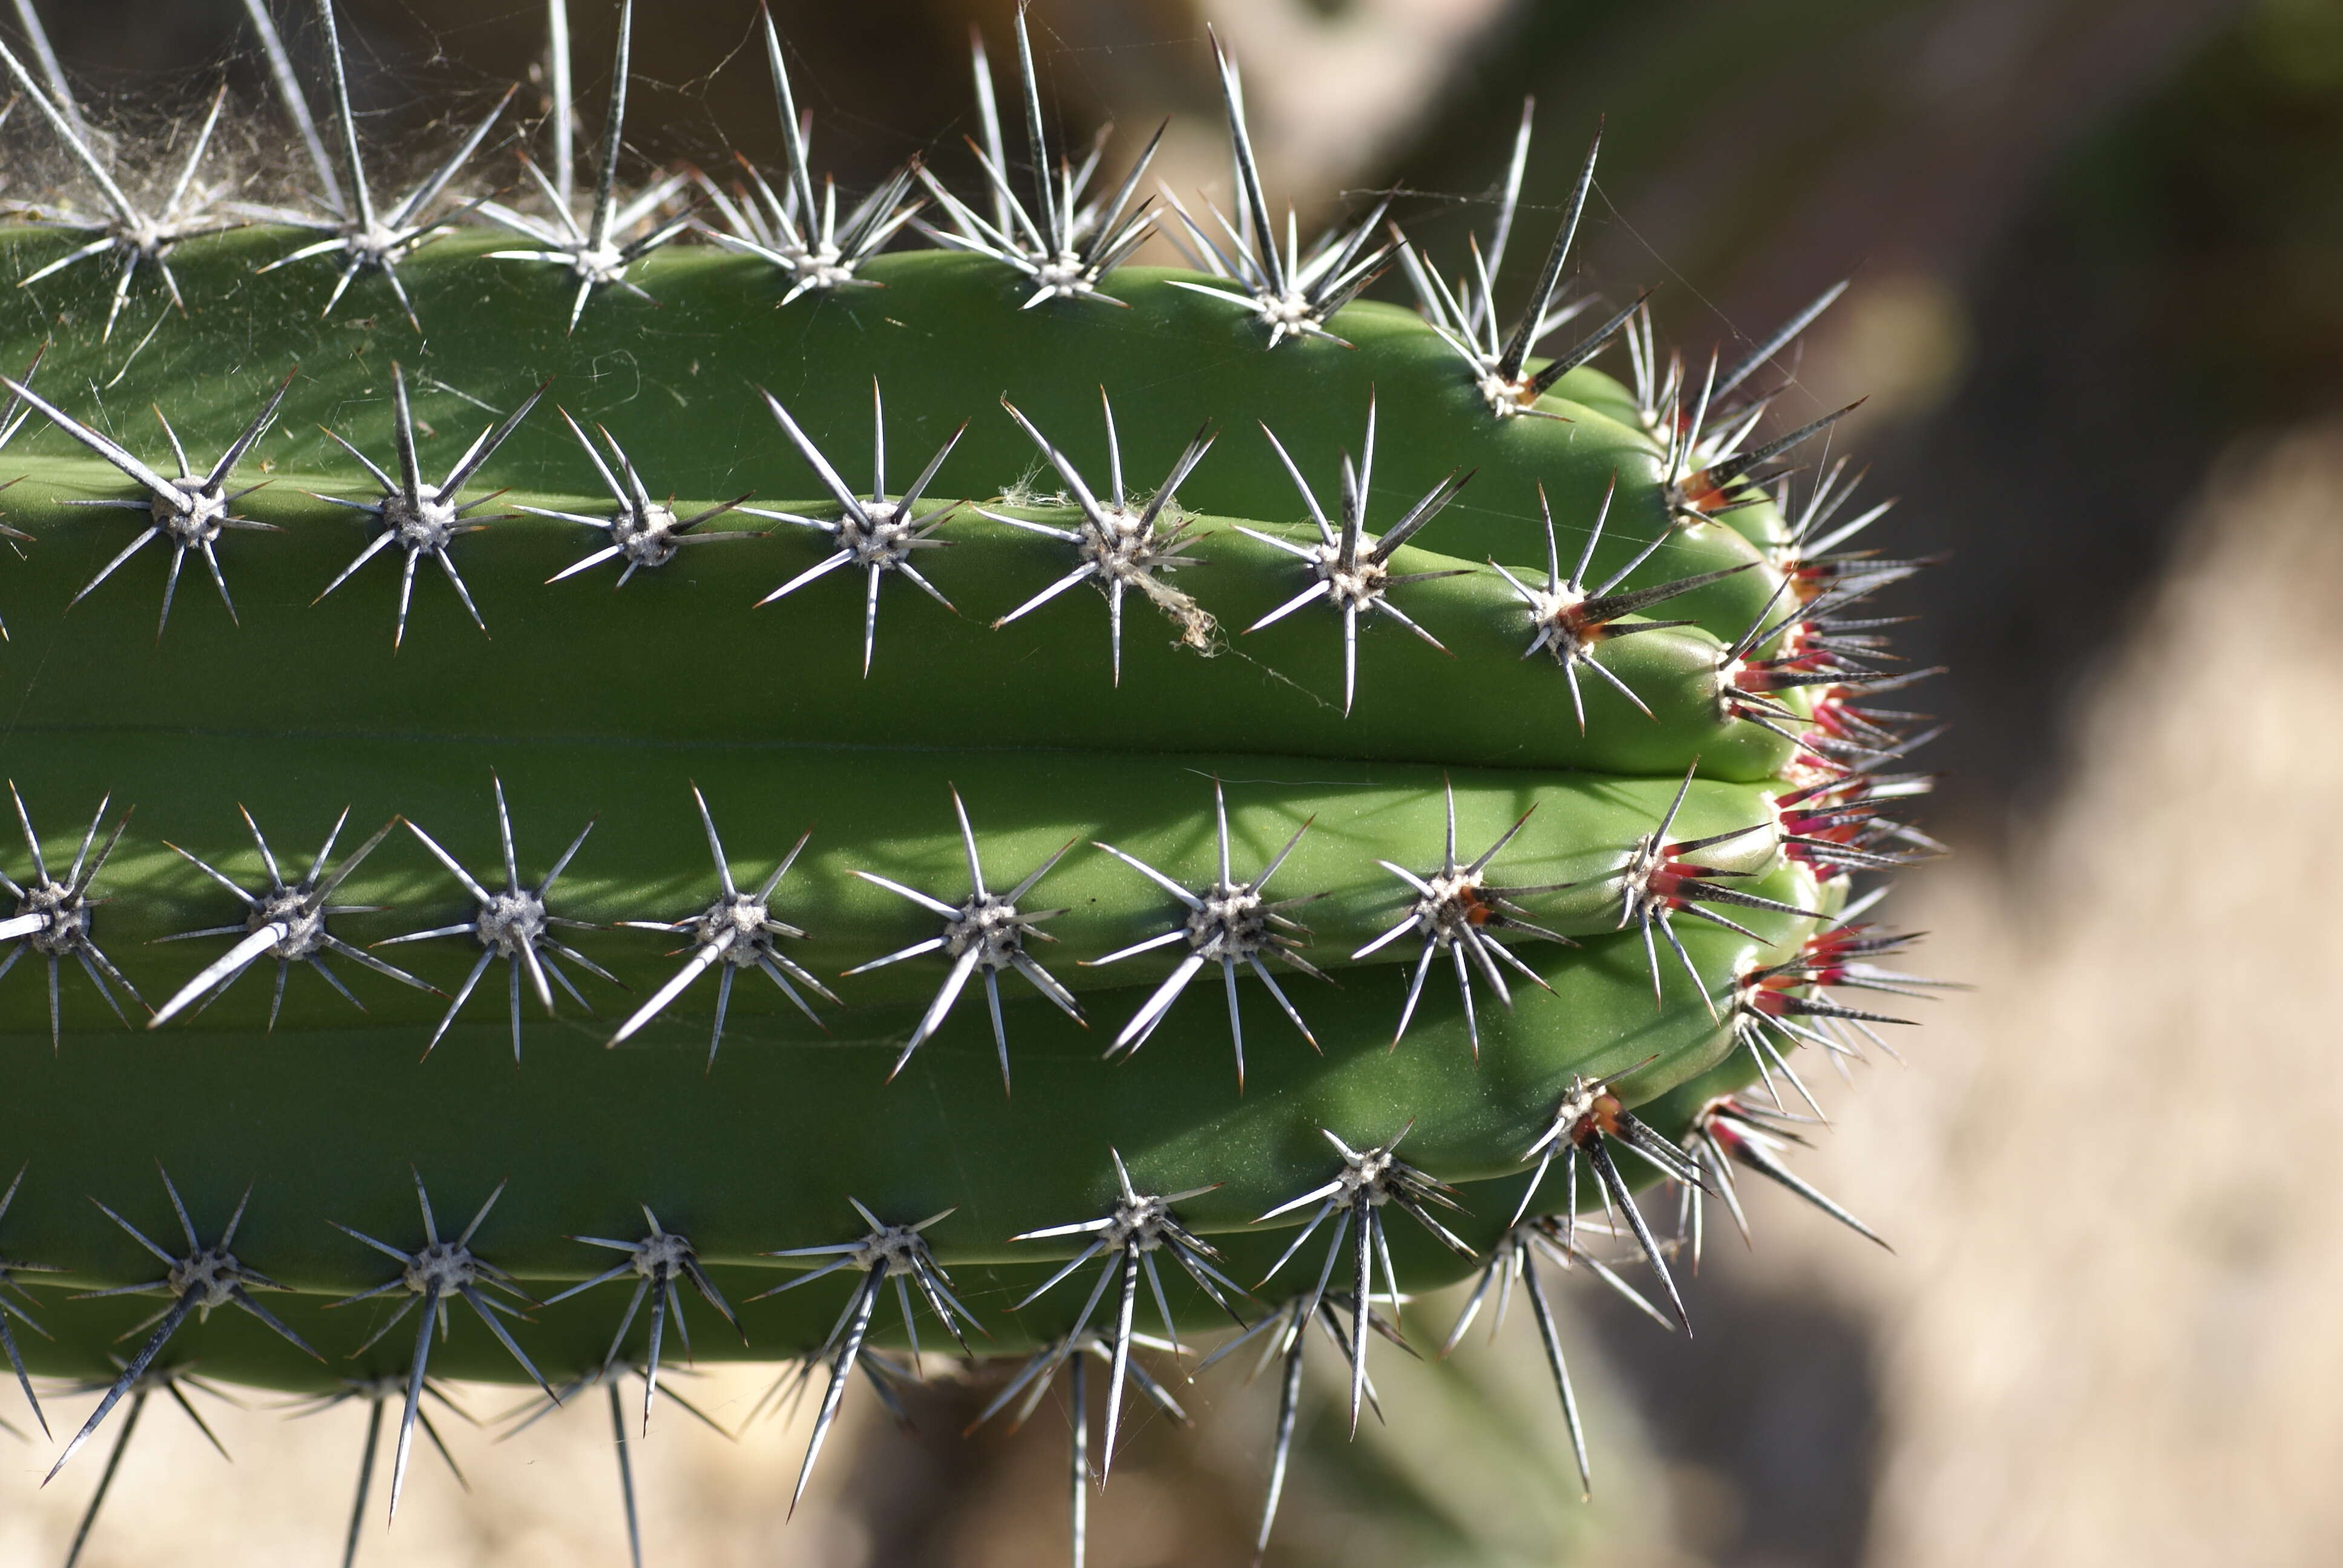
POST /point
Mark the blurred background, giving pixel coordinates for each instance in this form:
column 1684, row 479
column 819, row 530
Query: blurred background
column 2096, row 248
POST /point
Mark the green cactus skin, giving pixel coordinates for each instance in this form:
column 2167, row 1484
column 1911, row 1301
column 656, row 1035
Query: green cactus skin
column 715, row 1167
column 584, row 706
column 303, row 705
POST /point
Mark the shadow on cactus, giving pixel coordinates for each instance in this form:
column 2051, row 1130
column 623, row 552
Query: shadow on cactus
column 619, row 771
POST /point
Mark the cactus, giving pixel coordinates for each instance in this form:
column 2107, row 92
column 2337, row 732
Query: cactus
column 1499, row 732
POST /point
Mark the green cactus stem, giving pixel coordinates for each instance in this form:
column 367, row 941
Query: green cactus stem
column 1265, row 804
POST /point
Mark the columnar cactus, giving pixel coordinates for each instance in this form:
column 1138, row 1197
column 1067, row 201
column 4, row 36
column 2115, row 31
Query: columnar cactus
column 1448, row 831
